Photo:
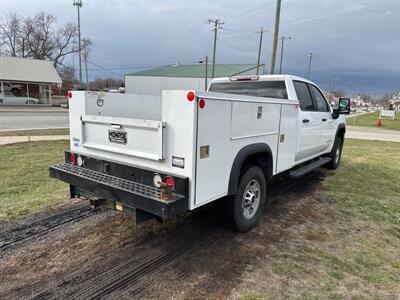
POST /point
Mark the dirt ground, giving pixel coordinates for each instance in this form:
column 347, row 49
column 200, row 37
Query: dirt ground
column 73, row 253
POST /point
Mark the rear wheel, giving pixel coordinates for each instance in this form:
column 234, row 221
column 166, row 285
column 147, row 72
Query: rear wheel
column 247, row 205
column 336, row 154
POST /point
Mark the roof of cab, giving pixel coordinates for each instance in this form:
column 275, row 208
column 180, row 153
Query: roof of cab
column 263, row 77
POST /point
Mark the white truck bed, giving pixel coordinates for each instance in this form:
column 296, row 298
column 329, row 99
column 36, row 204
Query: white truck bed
column 159, row 128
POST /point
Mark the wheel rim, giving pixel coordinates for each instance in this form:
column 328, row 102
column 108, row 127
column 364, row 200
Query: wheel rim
column 337, row 153
column 251, row 199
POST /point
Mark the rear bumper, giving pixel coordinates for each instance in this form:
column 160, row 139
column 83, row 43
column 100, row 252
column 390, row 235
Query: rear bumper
column 132, row 195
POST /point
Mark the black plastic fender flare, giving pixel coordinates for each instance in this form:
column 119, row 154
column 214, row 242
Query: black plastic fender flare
column 241, row 156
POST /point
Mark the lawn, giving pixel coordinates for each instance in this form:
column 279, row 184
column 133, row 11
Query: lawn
column 369, row 120
column 25, row 185
column 36, row 132
column 350, row 248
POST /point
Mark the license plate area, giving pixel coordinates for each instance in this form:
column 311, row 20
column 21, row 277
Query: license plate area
column 118, row 137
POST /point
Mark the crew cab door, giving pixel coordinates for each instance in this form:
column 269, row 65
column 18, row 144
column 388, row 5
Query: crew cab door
column 309, row 124
column 328, row 128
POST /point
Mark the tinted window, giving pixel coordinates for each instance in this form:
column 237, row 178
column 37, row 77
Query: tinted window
column 304, row 96
column 270, row 89
column 319, row 99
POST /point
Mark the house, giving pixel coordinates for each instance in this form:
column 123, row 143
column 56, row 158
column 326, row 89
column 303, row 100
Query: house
column 27, row 81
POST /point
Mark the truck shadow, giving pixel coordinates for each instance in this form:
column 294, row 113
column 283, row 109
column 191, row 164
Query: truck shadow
column 193, row 257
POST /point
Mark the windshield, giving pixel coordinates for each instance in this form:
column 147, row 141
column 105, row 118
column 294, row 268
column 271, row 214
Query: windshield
column 267, row 89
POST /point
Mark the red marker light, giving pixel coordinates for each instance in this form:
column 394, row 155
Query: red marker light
column 170, row 181
column 202, row 103
column 72, row 159
column 191, row 96
column 69, row 95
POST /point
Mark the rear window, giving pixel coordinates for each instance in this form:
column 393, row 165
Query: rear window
column 268, row 89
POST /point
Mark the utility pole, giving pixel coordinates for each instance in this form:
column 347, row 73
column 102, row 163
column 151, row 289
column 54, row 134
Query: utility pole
column 311, row 56
column 78, row 4
column 259, row 50
column 217, row 25
column 275, row 37
column 73, row 63
column 86, row 69
column 282, row 42
column 333, row 80
column 206, row 77
column 205, row 60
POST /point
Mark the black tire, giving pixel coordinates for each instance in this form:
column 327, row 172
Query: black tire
column 252, row 181
column 336, row 154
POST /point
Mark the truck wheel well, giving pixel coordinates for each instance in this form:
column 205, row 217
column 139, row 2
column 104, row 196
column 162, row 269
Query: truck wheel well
column 341, row 132
column 252, row 155
column 262, row 160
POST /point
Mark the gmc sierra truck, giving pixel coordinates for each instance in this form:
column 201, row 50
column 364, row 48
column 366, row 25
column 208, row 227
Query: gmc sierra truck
column 163, row 156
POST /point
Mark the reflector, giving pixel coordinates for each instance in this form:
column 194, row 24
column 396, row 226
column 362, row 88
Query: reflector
column 191, row 96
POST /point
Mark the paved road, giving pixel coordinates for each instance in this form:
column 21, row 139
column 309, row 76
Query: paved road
column 369, row 133
column 32, row 120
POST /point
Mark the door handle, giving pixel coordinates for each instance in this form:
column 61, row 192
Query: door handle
column 324, row 120
column 306, row 120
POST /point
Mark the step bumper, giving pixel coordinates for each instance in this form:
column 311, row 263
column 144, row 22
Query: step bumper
column 94, row 184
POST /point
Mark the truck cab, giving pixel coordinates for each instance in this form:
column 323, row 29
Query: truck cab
column 163, row 156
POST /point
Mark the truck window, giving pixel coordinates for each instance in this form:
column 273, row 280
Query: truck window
column 268, row 89
column 304, row 96
column 319, row 99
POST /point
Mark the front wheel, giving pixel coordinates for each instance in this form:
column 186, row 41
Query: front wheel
column 247, row 205
column 336, row 154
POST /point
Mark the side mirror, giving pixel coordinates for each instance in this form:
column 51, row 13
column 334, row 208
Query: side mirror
column 344, row 106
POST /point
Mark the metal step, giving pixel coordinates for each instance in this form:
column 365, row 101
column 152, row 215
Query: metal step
column 112, row 181
column 297, row 173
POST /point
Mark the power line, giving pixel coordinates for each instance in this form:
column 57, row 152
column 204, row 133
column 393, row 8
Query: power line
column 330, row 14
column 238, row 34
column 241, row 9
column 252, row 13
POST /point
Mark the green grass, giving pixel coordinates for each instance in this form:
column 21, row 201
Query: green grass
column 25, row 185
column 369, row 120
column 354, row 249
column 36, row 132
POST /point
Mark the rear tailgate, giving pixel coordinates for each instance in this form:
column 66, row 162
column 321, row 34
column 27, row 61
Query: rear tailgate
column 112, row 123
column 132, row 137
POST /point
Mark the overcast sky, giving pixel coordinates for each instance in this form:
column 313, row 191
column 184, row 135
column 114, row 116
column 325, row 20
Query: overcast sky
column 360, row 38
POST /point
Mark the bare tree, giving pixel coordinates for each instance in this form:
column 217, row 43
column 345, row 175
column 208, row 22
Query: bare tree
column 37, row 37
column 10, row 30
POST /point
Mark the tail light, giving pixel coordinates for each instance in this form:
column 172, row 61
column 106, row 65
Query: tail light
column 69, row 95
column 202, row 103
column 72, row 159
column 170, row 181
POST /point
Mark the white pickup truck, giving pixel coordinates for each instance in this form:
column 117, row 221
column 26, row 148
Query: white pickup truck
column 164, row 156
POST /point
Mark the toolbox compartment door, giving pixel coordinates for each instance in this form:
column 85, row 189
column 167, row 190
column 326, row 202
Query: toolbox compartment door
column 213, row 146
column 123, row 136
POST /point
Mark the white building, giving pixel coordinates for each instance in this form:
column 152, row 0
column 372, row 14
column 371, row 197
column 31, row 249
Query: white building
column 27, row 81
column 181, row 77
